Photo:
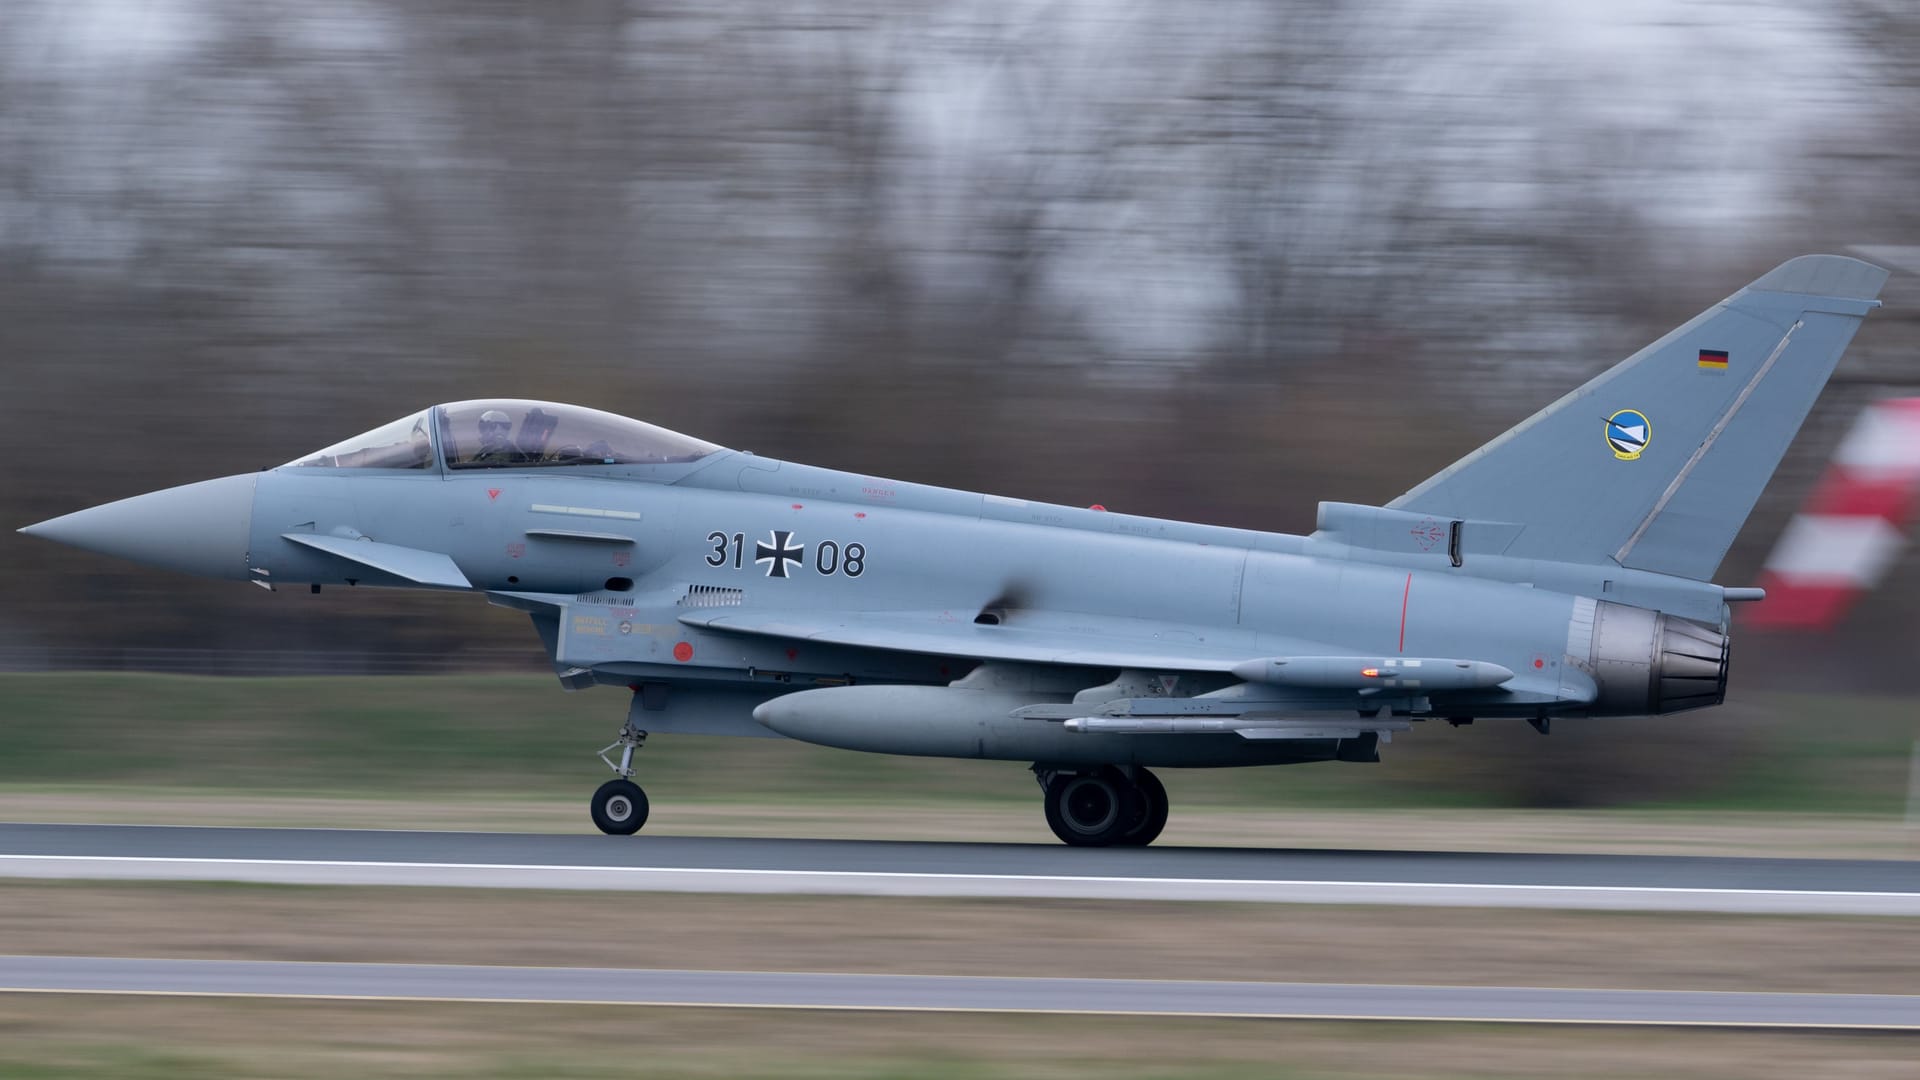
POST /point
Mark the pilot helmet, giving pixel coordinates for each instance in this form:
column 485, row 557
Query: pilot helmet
column 495, row 416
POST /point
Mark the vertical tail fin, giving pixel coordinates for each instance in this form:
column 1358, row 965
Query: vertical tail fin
column 1656, row 463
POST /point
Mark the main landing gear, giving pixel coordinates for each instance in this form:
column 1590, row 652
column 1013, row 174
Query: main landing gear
column 1104, row 807
column 620, row 807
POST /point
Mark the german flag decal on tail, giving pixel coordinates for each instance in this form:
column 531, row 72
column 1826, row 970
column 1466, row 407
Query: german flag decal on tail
column 1714, row 360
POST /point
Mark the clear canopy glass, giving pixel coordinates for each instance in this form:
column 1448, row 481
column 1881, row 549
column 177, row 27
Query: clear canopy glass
column 511, row 434
column 403, row 444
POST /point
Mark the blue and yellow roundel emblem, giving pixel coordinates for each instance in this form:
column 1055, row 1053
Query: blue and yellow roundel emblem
column 1627, row 433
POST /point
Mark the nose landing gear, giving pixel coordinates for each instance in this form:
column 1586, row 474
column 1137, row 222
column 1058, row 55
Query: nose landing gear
column 620, row 807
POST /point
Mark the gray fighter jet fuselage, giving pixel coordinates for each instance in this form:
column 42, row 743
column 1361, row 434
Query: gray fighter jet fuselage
column 1560, row 571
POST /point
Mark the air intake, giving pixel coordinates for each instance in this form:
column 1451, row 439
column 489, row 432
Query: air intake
column 699, row 596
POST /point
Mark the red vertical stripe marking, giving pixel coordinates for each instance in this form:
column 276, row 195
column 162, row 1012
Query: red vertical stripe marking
column 1404, row 593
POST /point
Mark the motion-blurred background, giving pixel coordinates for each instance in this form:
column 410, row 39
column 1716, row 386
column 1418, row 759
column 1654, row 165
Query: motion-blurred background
column 1213, row 260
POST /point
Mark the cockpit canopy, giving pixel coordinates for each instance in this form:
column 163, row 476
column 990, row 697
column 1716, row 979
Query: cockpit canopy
column 525, row 434
column 403, row 444
column 510, row 434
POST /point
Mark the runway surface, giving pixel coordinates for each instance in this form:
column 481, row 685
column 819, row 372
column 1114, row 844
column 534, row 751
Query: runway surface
column 719, row 864
column 939, row 993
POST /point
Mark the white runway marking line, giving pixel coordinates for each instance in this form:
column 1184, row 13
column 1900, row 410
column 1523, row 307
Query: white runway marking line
column 929, row 883
column 1651, row 999
column 1021, row 1011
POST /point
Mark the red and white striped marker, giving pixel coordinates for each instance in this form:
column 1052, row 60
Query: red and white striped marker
column 1851, row 530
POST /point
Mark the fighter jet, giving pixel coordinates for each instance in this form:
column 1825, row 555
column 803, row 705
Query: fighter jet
column 1562, row 570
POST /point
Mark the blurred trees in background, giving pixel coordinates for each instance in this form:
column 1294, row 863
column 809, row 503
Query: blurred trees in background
column 1214, row 260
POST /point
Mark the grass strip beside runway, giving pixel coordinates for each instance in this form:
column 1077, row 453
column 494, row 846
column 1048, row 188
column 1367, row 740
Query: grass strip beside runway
column 478, row 737
column 47, row 1037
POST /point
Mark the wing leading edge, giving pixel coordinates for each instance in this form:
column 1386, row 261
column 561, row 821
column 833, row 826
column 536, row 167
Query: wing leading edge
column 1040, row 638
column 1128, row 644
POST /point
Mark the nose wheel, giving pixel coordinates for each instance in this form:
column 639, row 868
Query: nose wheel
column 1105, row 807
column 619, row 806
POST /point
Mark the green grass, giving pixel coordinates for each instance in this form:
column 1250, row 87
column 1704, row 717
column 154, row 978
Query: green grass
column 141, row 1063
column 522, row 737
column 154, row 1039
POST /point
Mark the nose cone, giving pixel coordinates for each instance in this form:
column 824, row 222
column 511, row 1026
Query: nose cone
column 196, row 528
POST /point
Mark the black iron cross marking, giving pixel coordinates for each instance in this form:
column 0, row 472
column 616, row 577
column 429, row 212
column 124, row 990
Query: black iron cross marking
column 778, row 554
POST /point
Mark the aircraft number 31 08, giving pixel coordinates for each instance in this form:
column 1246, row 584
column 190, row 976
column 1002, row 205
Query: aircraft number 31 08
column 779, row 553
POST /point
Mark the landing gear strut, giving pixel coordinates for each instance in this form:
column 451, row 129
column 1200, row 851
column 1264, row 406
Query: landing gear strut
column 1104, row 807
column 619, row 807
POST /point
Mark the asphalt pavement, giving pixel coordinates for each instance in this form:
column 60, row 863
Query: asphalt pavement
column 743, row 865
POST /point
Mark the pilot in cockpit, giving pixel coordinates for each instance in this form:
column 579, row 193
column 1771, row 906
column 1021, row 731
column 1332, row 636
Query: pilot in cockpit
column 496, row 440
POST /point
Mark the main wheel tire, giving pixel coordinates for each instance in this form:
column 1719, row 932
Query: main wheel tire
column 1153, row 811
column 619, row 808
column 1092, row 809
